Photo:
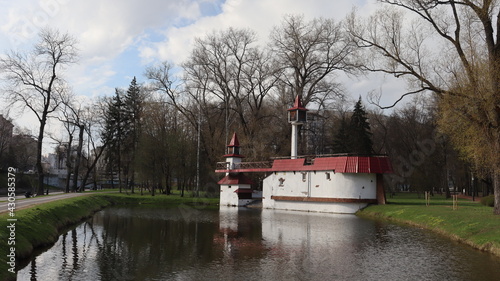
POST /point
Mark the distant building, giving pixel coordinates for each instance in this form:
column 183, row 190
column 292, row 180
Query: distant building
column 6, row 130
column 57, row 164
column 25, row 147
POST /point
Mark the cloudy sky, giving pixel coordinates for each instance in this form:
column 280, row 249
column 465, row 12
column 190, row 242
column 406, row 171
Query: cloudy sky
column 119, row 39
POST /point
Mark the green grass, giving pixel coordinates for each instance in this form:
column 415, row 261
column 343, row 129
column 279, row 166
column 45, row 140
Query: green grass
column 41, row 225
column 472, row 223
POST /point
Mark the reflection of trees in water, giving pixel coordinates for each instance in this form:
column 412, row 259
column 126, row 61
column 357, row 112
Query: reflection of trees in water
column 144, row 242
column 70, row 263
column 74, row 250
column 33, row 270
column 138, row 245
column 142, row 246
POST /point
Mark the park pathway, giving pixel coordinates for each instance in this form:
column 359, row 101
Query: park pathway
column 21, row 202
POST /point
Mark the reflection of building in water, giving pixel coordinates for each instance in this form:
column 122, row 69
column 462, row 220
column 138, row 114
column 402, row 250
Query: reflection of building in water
column 321, row 183
column 240, row 233
column 317, row 243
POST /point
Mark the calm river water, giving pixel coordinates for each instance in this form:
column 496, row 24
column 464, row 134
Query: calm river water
column 182, row 243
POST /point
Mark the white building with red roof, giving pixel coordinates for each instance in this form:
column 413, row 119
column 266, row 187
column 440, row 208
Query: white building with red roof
column 333, row 183
column 235, row 187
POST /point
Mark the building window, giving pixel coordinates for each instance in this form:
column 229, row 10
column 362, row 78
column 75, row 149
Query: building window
column 281, row 180
column 328, row 176
column 304, row 176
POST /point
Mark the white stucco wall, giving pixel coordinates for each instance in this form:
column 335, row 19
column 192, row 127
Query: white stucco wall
column 228, row 196
column 310, row 184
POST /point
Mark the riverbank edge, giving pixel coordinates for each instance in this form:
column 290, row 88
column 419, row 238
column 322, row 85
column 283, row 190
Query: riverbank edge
column 368, row 213
column 41, row 225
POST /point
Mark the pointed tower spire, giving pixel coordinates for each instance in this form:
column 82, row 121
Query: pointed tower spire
column 297, row 114
column 234, row 141
column 233, row 157
column 233, row 148
column 297, row 104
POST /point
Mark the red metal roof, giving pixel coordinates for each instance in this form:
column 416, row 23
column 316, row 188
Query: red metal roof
column 339, row 164
column 235, row 179
column 328, row 163
column 234, row 141
column 297, row 105
column 288, row 164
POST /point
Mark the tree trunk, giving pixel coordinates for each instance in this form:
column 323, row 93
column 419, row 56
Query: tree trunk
column 78, row 158
column 68, row 162
column 496, row 190
column 167, row 184
column 132, row 181
column 39, row 166
column 92, row 168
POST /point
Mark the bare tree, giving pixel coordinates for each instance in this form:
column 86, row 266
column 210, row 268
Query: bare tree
column 72, row 115
column 227, row 67
column 33, row 80
column 450, row 48
column 226, row 81
column 93, row 120
column 310, row 53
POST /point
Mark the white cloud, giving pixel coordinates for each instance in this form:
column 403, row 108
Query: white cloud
column 107, row 28
column 150, row 29
column 258, row 15
column 117, row 38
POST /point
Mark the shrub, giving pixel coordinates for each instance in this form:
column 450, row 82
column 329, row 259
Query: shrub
column 488, row 200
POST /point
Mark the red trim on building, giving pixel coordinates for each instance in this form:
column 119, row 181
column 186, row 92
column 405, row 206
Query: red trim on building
column 235, row 179
column 251, row 170
column 322, row 199
column 243, row 190
column 233, row 155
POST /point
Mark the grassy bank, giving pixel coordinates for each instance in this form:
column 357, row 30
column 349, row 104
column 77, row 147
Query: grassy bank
column 41, row 225
column 472, row 223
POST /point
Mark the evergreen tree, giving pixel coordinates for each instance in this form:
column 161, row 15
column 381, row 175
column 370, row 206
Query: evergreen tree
column 113, row 134
column 354, row 137
column 359, row 131
column 122, row 130
column 341, row 141
column 133, row 104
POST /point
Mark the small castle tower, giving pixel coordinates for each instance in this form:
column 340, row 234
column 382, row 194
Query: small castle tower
column 235, row 187
column 297, row 115
column 233, row 156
